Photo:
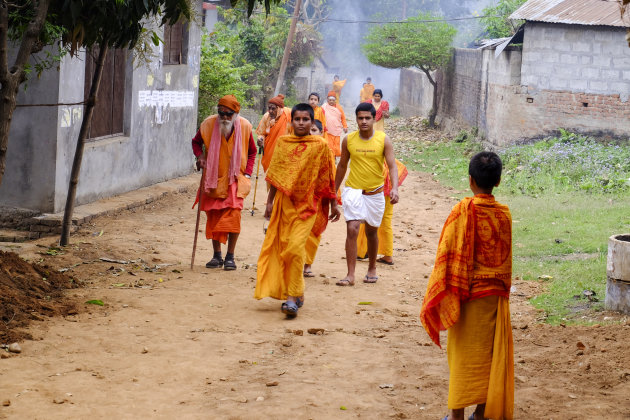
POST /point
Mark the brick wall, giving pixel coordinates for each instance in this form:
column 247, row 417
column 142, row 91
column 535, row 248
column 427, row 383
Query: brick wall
column 567, row 76
column 579, row 58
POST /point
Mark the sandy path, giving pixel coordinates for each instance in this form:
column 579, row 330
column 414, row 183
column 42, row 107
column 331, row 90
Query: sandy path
column 197, row 345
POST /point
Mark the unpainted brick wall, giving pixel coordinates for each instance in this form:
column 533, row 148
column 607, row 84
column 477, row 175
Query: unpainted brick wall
column 520, row 95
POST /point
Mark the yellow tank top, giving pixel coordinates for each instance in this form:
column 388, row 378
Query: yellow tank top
column 366, row 161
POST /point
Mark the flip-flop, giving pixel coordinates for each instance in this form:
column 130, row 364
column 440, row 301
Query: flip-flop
column 369, row 279
column 344, row 282
column 308, row 274
column 384, row 261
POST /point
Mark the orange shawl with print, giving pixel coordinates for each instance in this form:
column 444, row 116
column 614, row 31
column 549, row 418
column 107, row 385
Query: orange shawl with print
column 278, row 129
column 402, row 174
column 473, row 260
column 303, row 168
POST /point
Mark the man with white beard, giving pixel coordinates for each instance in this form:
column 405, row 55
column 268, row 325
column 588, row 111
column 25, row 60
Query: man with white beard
column 224, row 147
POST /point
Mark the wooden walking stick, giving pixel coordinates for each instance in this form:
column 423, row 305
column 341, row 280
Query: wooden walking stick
column 192, row 259
column 260, row 152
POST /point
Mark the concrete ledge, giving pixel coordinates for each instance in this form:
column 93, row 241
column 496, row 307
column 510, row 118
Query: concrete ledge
column 50, row 223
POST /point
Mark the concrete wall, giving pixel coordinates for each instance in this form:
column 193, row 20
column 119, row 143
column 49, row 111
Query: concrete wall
column 567, row 76
column 416, row 93
column 160, row 112
column 29, row 177
column 590, row 59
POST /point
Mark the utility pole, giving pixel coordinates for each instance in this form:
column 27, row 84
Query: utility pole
column 287, row 47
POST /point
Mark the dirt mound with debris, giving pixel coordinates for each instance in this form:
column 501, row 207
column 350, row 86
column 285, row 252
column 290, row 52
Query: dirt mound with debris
column 29, row 292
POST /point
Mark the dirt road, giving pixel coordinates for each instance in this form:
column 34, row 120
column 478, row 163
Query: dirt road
column 175, row 343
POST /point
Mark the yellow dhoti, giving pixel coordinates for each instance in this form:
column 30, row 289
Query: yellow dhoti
column 385, row 234
column 480, row 358
column 311, row 247
column 282, row 255
column 379, row 125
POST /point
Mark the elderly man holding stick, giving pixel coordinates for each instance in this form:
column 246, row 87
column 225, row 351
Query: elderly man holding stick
column 225, row 149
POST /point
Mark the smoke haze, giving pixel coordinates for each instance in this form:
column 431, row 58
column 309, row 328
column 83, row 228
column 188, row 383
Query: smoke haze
column 342, row 41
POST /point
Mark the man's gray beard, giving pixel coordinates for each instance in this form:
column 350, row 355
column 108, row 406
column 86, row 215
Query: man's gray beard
column 226, row 128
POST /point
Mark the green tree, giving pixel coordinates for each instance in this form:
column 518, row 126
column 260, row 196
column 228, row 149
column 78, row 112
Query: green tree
column 259, row 41
column 218, row 76
column 421, row 42
column 497, row 23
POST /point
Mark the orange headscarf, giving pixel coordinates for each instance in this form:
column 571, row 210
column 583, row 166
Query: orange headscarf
column 331, row 93
column 230, row 101
column 278, row 101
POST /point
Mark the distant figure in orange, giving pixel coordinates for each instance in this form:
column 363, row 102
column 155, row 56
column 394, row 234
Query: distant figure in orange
column 335, row 123
column 367, row 91
column 337, row 86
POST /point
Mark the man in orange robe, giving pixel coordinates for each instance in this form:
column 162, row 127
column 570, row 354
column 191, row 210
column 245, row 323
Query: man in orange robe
column 468, row 295
column 337, row 86
column 274, row 124
column 369, row 89
column 302, row 178
column 335, row 123
column 228, row 161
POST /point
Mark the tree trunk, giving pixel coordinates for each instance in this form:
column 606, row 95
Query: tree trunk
column 78, row 154
column 11, row 78
column 287, row 47
column 8, row 92
column 434, row 105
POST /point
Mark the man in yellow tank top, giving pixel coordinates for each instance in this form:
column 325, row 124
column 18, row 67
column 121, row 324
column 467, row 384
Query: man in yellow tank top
column 363, row 197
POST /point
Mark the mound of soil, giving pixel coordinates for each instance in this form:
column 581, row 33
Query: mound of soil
column 28, row 292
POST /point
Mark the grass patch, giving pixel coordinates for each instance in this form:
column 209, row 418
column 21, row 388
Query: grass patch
column 567, row 196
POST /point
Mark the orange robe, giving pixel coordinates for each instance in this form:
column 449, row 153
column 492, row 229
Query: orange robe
column 272, row 133
column 467, row 295
column 337, row 86
column 385, row 230
column 223, row 204
column 321, row 116
column 303, row 171
column 369, row 91
column 335, row 124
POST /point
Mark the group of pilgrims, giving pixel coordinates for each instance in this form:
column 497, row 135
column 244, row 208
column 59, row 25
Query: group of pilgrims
column 306, row 152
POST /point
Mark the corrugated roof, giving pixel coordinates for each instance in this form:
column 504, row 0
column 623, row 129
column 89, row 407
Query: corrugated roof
column 578, row 12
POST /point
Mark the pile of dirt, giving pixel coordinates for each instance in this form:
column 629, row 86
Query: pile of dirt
column 29, row 292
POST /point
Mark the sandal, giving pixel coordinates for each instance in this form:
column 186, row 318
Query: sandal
column 229, row 264
column 308, row 273
column 290, row 309
column 299, row 301
column 215, row 263
column 384, row 261
column 344, row 282
column 369, row 279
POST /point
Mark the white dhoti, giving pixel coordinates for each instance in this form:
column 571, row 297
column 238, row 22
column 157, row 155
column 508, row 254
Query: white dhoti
column 359, row 206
